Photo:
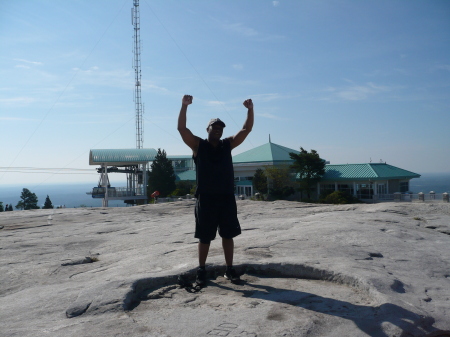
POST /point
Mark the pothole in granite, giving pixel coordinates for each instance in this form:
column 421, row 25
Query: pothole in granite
column 268, row 303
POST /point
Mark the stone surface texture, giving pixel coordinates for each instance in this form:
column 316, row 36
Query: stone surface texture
column 307, row 270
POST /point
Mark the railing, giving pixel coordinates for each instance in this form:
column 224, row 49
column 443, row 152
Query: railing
column 413, row 197
column 116, row 192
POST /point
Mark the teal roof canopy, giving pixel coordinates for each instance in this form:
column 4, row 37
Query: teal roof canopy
column 121, row 157
column 269, row 152
column 370, row 171
column 186, row 175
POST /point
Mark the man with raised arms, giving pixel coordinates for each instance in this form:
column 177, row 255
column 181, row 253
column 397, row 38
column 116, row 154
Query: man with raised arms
column 216, row 205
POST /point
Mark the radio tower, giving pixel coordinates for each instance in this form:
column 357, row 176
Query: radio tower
column 135, row 20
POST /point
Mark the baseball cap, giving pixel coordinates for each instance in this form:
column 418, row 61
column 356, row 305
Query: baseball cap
column 215, row 121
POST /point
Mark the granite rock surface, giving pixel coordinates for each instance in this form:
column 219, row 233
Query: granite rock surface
column 307, row 270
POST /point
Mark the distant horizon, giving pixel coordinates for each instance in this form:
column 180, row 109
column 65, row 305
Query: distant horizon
column 124, row 181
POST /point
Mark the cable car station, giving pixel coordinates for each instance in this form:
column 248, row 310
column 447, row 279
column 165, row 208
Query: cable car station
column 133, row 162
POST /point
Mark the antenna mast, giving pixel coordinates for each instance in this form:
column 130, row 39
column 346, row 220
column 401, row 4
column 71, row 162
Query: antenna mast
column 135, row 20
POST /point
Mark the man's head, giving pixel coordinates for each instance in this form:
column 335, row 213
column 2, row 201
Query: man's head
column 215, row 128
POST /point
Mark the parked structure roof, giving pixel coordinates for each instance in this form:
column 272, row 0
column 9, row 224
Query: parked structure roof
column 121, row 157
column 269, row 152
column 186, row 175
column 370, row 171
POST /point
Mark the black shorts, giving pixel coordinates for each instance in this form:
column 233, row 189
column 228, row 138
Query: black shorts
column 216, row 211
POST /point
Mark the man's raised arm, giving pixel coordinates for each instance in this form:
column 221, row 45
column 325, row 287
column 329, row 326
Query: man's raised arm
column 239, row 137
column 189, row 139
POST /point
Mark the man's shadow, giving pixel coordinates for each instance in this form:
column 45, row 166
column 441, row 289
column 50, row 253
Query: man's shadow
column 368, row 319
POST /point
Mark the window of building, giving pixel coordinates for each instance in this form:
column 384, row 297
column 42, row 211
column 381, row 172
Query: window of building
column 348, row 188
column 382, row 188
column 404, row 186
column 245, row 190
column 326, row 188
column 364, row 191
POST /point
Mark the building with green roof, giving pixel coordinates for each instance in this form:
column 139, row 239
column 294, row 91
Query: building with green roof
column 364, row 181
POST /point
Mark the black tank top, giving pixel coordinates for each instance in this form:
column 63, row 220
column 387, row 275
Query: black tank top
column 214, row 168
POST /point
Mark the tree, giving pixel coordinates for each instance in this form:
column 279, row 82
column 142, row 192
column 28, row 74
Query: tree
column 29, row 200
column 309, row 168
column 260, row 181
column 280, row 184
column 1, row 206
column 183, row 187
column 48, row 203
column 10, row 208
column 161, row 177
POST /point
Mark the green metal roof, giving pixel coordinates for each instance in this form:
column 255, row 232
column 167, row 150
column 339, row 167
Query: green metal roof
column 269, row 152
column 370, row 171
column 183, row 156
column 186, row 175
column 244, row 183
column 121, row 157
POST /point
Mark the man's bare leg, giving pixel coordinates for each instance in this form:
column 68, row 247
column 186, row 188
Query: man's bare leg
column 228, row 250
column 203, row 249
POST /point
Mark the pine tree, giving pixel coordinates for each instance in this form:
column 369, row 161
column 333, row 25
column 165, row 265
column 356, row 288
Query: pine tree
column 48, row 203
column 260, row 181
column 1, row 206
column 162, row 176
column 10, row 208
column 309, row 167
column 29, row 200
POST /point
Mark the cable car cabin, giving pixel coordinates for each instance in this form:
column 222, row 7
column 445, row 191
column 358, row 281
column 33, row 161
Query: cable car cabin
column 99, row 192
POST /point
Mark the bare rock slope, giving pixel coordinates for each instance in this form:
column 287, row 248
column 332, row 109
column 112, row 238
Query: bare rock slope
column 307, row 270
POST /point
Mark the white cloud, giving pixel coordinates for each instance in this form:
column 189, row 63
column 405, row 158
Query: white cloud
column 275, row 3
column 238, row 66
column 30, row 62
column 443, row 67
column 16, row 100
column 215, row 103
column 16, row 119
column 357, row 92
column 266, row 97
column 240, row 29
column 248, row 32
column 270, row 116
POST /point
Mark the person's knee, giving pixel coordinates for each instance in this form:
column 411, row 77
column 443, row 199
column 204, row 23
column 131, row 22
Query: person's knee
column 205, row 241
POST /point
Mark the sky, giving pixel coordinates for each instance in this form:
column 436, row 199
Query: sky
column 357, row 81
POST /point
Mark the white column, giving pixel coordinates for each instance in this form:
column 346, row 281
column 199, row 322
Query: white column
column 105, row 185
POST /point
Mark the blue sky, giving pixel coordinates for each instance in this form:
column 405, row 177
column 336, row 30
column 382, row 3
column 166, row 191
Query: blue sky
column 354, row 80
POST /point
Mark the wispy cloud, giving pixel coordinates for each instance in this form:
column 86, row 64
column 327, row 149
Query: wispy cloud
column 16, row 119
column 266, row 97
column 251, row 33
column 215, row 103
column 16, row 100
column 29, row 62
column 271, row 116
column 442, row 67
column 275, row 3
column 237, row 66
column 356, row 92
column 241, row 29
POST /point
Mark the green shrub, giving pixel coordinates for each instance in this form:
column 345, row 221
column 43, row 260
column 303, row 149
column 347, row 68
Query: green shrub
column 177, row 193
column 338, row 197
